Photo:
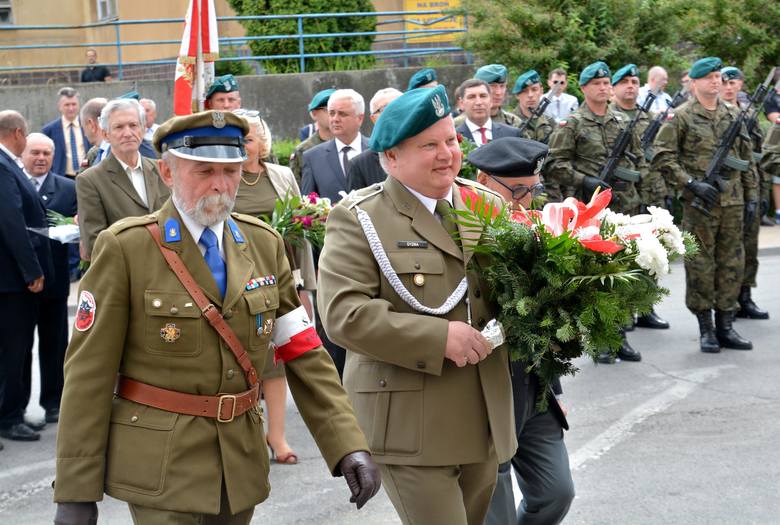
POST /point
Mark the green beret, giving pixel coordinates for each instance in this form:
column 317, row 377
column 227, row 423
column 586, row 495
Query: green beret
column 491, row 73
column 731, row 73
column 208, row 136
column 704, row 66
column 527, row 79
column 131, row 94
column 629, row 70
column 408, row 115
column 224, row 84
column 422, row 77
column 595, row 70
column 320, row 100
column 509, row 157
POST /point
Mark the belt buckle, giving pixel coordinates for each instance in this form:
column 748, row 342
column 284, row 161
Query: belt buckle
column 222, row 399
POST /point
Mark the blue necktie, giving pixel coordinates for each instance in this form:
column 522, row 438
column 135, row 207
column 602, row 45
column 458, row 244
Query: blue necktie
column 74, row 150
column 208, row 239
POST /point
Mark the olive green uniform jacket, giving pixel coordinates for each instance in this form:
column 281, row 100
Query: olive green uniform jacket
column 415, row 406
column 770, row 160
column 161, row 459
column 105, row 195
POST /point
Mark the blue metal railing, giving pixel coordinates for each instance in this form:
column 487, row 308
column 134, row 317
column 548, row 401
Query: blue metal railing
column 405, row 36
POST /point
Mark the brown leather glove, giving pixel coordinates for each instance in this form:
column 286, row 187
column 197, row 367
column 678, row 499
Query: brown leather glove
column 76, row 513
column 362, row 476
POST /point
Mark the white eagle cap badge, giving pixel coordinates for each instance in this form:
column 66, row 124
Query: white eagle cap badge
column 218, row 119
column 539, row 164
column 438, row 105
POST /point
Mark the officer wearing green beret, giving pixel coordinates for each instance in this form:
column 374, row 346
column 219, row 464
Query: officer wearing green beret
column 318, row 111
column 423, row 78
column 651, row 186
column 160, row 405
column 580, row 147
column 512, row 167
column 397, row 290
column 733, row 80
column 496, row 76
column 683, row 148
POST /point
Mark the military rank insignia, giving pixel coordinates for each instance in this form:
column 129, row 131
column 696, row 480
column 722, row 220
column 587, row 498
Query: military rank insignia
column 257, row 282
column 85, row 314
column 169, row 333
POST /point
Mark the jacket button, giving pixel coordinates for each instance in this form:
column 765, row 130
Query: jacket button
column 228, row 314
column 157, row 303
column 477, row 293
column 420, row 364
column 416, row 266
column 230, row 373
column 481, row 322
column 419, row 279
column 267, row 302
column 174, row 310
column 382, row 383
column 134, row 419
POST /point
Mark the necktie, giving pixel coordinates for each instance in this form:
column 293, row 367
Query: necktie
column 208, row 239
column 345, row 158
column 483, row 132
column 443, row 209
column 35, row 183
column 558, row 108
column 74, row 150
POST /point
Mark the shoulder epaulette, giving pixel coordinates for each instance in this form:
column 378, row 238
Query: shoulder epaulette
column 356, row 197
column 131, row 222
column 477, row 185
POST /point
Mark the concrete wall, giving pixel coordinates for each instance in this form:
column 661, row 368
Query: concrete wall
column 281, row 99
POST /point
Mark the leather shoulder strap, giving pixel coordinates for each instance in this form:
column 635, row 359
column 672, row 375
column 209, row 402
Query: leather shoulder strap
column 209, row 311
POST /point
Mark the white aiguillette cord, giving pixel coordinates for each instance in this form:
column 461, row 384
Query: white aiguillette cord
column 387, row 269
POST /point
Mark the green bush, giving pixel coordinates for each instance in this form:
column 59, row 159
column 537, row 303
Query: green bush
column 283, row 148
column 233, row 67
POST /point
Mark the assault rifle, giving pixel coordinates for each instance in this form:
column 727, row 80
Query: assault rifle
column 752, row 122
column 655, row 126
column 611, row 169
column 535, row 114
column 721, row 157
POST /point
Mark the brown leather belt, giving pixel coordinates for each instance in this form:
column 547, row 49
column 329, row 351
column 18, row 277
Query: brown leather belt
column 223, row 407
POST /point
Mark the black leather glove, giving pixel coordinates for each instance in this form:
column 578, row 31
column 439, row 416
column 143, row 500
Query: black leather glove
column 76, row 513
column 764, row 207
column 750, row 212
column 704, row 191
column 362, row 475
column 589, row 185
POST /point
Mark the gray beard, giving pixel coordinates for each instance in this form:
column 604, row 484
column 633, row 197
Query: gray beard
column 220, row 205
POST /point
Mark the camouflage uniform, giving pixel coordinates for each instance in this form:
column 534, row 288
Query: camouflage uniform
column 540, row 130
column 581, row 146
column 296, row 159
column 770, row 160
column 683, row 149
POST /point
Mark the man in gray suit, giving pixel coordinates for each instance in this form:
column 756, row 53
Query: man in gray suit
column 478, row 127
column 124, row 184
column 325, row 166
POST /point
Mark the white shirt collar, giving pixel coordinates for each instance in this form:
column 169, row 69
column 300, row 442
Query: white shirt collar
column 429, row 202
column 16, row 159
column 474, row 127
column 66, row 122
column 137, row 166
column 40, row 178
column 196, row 230
column 356, row 145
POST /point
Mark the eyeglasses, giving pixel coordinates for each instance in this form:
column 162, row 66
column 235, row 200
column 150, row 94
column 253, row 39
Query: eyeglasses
column 521, row 190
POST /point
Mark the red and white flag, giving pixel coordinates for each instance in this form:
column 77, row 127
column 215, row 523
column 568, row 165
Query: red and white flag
column 195, row 65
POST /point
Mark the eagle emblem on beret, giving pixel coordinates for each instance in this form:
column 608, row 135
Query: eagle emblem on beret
column 438, row 106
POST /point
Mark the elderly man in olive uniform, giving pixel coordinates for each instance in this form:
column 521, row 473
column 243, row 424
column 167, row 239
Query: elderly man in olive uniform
column 512, row 167
column 397, row 291
column 181, row 439
column 683, row 149
column 580, row 147
column 318, row 110
column 733, row 81
column 651, row 186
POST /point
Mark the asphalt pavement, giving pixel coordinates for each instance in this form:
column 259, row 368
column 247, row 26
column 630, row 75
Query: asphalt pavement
column 680, row 438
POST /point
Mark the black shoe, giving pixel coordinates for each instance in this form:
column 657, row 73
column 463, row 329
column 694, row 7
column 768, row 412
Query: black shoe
column 747, row 308
column 19, row 432
column 652, row 320
column 35, row 425
column 606, row 358
column 52, row 415
column 727, row 336
column 708, row 343
column 626, row 353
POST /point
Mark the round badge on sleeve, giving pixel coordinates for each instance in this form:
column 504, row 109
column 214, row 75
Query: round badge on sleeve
column 85, row 314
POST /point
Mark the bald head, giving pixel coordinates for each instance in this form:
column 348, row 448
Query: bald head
column 38, row 154
column 13, row 131
column 90, row 112
column 657, row 78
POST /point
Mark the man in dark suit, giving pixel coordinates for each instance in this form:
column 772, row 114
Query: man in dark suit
column 70, row 141
column 477, row 126
column 365, row 170
column 25, row 265
column 325, row 166
column 58, row 194
column 124, row 184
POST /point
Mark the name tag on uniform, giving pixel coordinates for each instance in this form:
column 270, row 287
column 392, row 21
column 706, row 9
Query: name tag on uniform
column 412, row 244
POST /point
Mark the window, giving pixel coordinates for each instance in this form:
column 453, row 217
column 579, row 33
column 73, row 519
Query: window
column 105, row 9
column 5, row 12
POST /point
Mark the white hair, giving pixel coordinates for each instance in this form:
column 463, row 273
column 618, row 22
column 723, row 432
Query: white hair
column 383, row 160
column 381, row 94
column 40, row 137
column 150, row 102
column 357, row 99
column 121, row 104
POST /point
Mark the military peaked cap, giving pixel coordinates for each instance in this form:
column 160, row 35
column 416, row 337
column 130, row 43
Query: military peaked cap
column 510, row 157
column 208, row 136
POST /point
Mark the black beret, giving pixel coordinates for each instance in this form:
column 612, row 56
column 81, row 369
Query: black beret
column 510, row 157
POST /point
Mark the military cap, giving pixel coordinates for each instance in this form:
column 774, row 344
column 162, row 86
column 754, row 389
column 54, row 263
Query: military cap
column 509, row 157
column 131, row 94
column 408, row 115
column 422, row 77
column 731, row 73
column 208, row 136
column 320, row 100
column 529, row 78
column 629, row 70
column 704, row 66
column 224, row 84
column 595, row 70
column 491, row 73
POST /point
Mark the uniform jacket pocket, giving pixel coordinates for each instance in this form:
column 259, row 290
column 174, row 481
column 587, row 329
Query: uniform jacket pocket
column 173, row 324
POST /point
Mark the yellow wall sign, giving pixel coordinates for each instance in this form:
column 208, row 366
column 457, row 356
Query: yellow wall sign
column 418, row 22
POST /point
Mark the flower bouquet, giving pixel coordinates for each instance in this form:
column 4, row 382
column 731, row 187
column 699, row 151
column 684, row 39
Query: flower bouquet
column 300, row 217
column 566, row 278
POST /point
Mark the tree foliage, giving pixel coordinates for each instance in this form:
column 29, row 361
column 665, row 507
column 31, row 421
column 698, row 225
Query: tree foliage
column 310, row 26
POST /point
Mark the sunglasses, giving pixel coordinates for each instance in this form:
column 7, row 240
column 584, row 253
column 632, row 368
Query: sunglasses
column 251, row 113
column 557, row 82
column 521, row 190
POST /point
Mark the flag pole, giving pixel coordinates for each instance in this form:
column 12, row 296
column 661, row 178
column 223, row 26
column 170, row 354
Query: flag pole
column 200, row 88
